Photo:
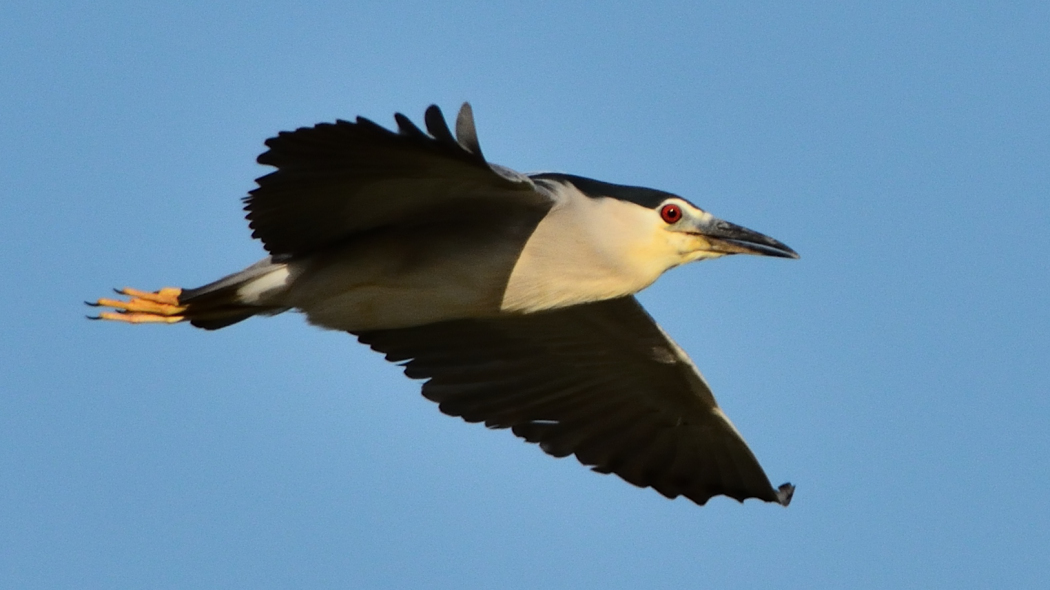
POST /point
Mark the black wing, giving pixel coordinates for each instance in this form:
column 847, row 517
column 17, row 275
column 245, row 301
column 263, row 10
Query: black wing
column 601, row 381
column 334, row 180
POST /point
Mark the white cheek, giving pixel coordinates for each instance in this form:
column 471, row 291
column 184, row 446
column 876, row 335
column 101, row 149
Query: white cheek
column 690, row 248
column 682, row 245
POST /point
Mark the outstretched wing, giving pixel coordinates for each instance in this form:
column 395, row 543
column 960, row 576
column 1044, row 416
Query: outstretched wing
column 601, row 381
column 338, row 179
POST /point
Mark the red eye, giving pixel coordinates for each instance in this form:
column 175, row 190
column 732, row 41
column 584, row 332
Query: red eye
column 671, row 213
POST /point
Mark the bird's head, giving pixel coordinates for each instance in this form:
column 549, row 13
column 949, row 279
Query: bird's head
column 697, row 235
column 656, row 230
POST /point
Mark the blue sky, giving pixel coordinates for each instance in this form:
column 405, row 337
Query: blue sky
column 897, row 373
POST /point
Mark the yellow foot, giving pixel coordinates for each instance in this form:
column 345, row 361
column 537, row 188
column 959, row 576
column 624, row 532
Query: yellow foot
column 143, row 307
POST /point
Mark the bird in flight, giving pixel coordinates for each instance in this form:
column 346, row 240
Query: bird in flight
column 511, row 294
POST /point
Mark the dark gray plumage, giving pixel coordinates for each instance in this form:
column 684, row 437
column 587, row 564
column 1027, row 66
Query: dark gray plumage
column 598, row 380
column 335, row 180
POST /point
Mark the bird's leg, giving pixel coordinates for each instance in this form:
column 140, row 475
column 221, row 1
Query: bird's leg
column 143, row 307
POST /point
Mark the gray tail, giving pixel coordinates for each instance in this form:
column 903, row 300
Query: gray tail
column 219, row 304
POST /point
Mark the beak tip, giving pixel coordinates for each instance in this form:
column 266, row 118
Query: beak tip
column 729, row 238
column 781, row 250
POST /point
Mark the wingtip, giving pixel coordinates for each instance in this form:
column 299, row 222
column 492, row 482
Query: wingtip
column 437, row 126
column 784, row 494
column 466, row 132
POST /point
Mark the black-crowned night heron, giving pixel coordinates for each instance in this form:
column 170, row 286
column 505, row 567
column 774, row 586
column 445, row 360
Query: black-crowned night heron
column 511, row 293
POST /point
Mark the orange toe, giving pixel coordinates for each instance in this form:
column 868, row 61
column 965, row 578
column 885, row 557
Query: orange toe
column 167, row 295
column 139, row 318
column 144, row 307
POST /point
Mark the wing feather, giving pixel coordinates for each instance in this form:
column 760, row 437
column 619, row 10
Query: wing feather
column 600, row 381
column 335, row 180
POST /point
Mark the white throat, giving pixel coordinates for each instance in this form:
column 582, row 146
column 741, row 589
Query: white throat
column 589, row 249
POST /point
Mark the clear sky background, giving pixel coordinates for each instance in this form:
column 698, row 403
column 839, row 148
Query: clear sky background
column 898, row 373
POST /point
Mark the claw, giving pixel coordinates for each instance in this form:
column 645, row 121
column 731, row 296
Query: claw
column 143, row 307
